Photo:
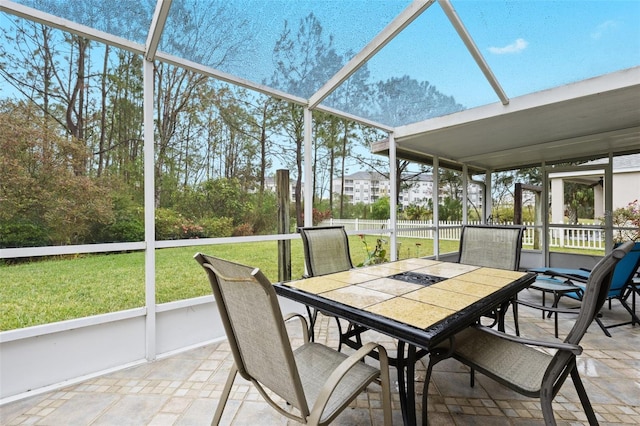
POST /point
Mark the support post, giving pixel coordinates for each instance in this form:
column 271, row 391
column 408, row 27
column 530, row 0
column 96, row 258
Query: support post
column 284, row 246
column 517, row 205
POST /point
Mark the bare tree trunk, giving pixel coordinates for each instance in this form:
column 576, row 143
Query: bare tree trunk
column 332, row 159
column 345, row 139
column 75, row 105
column 103, row 112
column 298, row 192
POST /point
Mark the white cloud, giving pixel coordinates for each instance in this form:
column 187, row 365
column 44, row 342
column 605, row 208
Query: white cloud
column 517, row 46
column 603, row 28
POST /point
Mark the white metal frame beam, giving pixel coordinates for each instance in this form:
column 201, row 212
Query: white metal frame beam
column 265, row 90
column 393, row 202
column 157, row 26
column 308, row 167
column 149, row 210
column 69, row 26
column 228, row 78
column 385, row 36
column 473, row 49
column 150, row 52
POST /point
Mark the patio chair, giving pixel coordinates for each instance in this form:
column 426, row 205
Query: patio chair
column 492, row 246
column 622, row 286
column 518, row 363
column 634, row 289
column 326, row 250
column 315, row 382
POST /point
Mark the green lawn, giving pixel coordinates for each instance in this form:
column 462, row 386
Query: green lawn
column 59, row 289
column 73, row 287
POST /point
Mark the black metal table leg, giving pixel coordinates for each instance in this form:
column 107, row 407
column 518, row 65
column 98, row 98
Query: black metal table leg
column 406, row 385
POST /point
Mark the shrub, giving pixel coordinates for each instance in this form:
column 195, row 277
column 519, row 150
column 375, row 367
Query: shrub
column 190, row 230
column 171, row 225
column 319, row 216
column 167, row 224
column 217, row 227
column 263, row 213
column 628, row 216
column 22, row 234
column 374, row 255
column 123, row 230
column 127, row 226
column 243, row 230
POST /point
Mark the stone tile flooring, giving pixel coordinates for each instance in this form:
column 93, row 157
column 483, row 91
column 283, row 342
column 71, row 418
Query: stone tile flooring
column 184, row 389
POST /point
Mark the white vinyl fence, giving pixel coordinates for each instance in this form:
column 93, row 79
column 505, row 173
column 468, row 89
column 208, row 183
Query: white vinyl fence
column 565, row 237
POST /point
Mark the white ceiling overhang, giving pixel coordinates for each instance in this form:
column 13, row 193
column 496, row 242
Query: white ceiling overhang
column 584, row 120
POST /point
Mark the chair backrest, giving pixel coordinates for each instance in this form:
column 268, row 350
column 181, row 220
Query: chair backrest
column 595, row 295
column 326, row 250
column 596, row 291
column 625, row 270
column 491, row 246
column 255, row 328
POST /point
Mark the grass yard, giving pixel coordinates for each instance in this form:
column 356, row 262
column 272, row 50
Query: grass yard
column 54, row 290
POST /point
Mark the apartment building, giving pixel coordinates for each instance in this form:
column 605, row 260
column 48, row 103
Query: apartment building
column 367, row 187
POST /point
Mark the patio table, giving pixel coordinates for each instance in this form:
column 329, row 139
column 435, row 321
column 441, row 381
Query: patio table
column 420, row 302
column 558, row 289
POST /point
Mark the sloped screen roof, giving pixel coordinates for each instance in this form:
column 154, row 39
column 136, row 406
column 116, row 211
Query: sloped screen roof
column 449, row 56
column 529, row 45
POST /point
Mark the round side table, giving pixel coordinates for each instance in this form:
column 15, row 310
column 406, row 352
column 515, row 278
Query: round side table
column 558, row 289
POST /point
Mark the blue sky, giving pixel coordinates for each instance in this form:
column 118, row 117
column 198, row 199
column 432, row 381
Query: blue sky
column 530, row 45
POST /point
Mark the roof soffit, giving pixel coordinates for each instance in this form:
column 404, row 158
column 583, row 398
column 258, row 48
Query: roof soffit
column 588, row 118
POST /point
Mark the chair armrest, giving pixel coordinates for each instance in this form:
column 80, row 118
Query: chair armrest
column 548, row 308
column 355, row 358
column 569, row 277
column 303, row 322
column 575, row 349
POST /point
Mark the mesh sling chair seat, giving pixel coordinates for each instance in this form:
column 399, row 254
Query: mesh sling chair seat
column 326, row 251
column 492, row 246
column 519, row 364
column 315, row 382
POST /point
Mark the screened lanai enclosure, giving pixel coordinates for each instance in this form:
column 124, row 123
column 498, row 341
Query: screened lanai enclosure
column 134, row 134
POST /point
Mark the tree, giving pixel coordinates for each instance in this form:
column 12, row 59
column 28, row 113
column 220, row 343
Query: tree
column 303, row 62
column 56, row 71
column 503, row 190
column 215, row 198
column 42, row 192
column 578, row 199
column 180, row 91
column 354, row 96
column 451, row 182
column 415, row 212
column 404, row 100
column 450, row 209
column 33, row 67
column 120, row 150
column 381, row 209
column 253, row 116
